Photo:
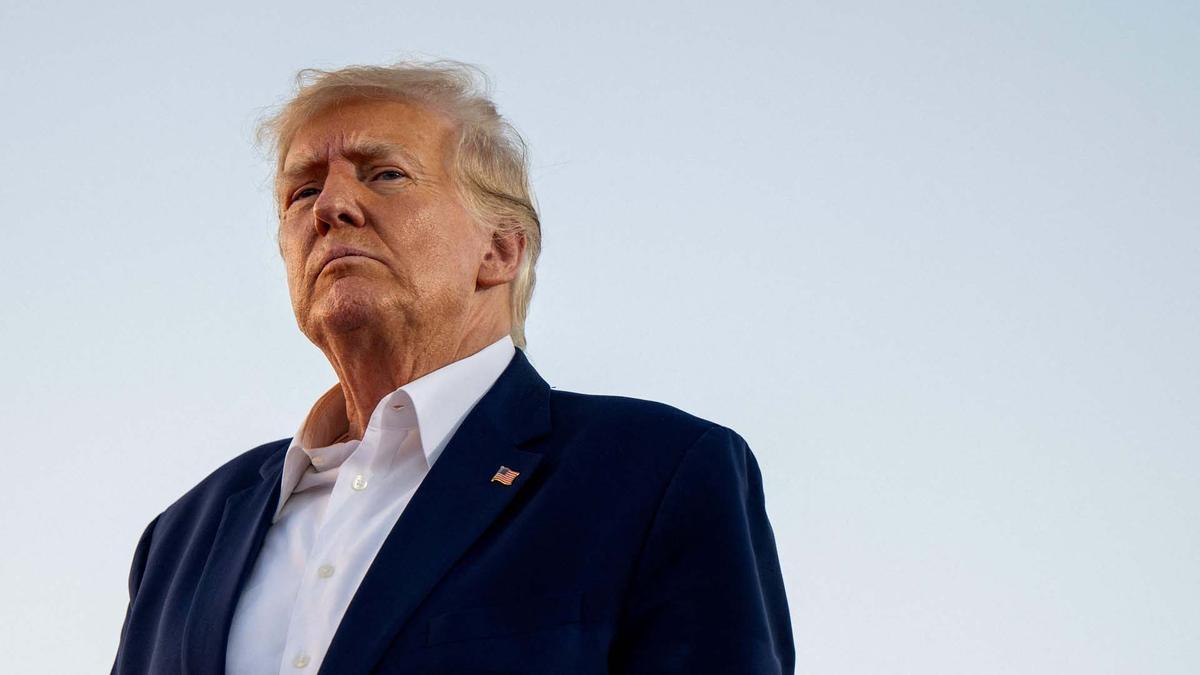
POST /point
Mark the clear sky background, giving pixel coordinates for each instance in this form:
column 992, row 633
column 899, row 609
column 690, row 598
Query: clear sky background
column 939, row 263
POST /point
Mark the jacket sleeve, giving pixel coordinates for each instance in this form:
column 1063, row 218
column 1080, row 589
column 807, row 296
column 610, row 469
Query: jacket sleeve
column 136, row 570
column 707, row 595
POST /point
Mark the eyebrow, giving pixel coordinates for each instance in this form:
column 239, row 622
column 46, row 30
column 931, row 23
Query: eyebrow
column 360, row 151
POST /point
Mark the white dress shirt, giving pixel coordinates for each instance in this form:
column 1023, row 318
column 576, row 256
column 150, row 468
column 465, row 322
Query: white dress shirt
column 337, row 503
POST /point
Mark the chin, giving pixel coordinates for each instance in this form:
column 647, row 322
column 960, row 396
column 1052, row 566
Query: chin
column 343, row 312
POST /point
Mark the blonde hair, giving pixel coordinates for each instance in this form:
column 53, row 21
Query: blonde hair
column 491, row 162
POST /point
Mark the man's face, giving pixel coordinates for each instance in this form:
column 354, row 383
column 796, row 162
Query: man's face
column 376, row 176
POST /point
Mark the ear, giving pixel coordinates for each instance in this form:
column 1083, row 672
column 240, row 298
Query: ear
column 502, row 259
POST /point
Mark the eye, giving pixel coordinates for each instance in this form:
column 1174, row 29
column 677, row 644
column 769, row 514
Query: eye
column 300, row 194
column 389, row 175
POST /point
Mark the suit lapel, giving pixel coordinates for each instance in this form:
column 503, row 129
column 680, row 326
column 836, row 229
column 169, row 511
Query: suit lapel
column 239, row 538
column 455, row 503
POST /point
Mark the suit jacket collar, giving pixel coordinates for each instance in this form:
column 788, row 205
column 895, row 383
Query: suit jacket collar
column 455, row 503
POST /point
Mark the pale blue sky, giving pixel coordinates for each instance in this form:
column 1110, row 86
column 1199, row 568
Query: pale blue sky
column 937, row 262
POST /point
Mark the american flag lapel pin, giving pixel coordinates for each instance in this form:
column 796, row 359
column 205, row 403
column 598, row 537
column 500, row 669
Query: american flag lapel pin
column 505, row 475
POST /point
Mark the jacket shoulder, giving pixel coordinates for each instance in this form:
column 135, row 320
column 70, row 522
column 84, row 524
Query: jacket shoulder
column 643, row 435
column 642, row 416
column 238, row 473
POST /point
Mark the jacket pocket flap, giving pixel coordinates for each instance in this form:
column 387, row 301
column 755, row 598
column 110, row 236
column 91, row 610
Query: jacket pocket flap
column 523, row 616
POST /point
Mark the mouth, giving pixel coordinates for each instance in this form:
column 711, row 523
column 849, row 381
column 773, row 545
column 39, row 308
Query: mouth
column 340, row 253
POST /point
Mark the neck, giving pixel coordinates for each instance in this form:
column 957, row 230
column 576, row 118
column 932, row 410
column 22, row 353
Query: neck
column 371, row 366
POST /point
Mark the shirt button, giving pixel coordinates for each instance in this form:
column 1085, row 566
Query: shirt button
column 398, row 406
column 301, row 661
column 325, row 571
column 360, row 482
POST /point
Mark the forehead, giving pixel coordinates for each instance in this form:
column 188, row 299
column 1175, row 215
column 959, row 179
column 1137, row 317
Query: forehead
column 357, row 128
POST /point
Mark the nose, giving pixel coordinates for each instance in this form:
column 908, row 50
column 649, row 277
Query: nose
column 338, row 202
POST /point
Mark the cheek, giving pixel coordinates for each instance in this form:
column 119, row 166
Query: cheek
column 291, row 252
column 464, row 248
column 433, row 240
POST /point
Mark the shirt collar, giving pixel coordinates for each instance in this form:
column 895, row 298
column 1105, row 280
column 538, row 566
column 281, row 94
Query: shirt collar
column 435, row 403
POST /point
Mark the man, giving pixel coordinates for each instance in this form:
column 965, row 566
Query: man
column 441, row 509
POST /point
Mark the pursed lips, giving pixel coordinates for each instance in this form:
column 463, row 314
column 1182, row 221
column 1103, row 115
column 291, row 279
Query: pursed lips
column 342, row 252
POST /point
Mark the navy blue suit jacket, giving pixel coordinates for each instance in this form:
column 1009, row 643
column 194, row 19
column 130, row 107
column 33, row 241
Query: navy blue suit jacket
column 634, row 540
